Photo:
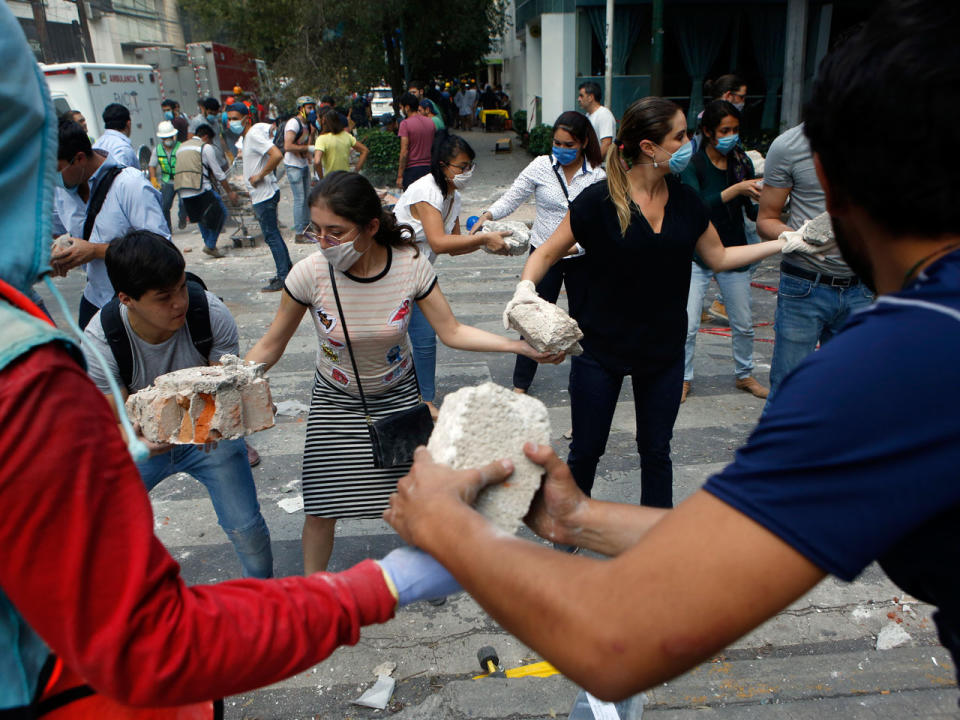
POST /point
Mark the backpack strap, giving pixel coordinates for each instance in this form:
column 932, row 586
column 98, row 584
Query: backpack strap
column 96, row 200
column 198, row 317
column 118, row 340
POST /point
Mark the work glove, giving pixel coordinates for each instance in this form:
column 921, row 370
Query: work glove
column 417, row 576
column 794, row 243
column 526, row 292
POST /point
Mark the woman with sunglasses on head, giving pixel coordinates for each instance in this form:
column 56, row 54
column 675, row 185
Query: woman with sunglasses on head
column 431, row 207
column 375, row 267
column 555, row 180
column 640, row 230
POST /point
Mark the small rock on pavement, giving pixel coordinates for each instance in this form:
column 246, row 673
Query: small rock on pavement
column 891, row 636
column 385, row 668
column 519, row 242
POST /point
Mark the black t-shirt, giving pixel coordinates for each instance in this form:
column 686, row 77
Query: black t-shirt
column 629, row 293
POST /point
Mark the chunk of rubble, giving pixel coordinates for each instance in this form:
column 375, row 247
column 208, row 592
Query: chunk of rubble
column 482, row 424
column 891, row 636
column 756, row 157
column 519, row 242
column 547, row 327
column 819, row 230
column 204, row 404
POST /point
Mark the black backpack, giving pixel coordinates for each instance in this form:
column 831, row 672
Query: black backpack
column 198, row 323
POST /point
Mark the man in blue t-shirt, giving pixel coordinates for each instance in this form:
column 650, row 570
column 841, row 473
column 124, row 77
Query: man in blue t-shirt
column 856, row 460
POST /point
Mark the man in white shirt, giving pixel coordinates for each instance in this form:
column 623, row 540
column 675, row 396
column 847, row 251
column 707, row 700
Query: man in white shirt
column 590, row 97
column 260, row 158
column 298, row 137
column 116, row 138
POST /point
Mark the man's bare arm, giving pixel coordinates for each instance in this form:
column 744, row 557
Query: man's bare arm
column 772, row 202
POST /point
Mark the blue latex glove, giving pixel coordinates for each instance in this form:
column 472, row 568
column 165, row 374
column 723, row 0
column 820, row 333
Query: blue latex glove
column 417, row 576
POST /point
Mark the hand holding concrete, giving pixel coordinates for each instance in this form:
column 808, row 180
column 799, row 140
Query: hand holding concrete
column 795, row 242
column 417, row 576
column 545, row 326
column 555, row 509
column 526, row 292
column 517, row 241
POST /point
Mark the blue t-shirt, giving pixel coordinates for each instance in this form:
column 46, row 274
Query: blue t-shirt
column 858, row 457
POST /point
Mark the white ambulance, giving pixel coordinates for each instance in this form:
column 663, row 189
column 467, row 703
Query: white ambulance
column 90, row 87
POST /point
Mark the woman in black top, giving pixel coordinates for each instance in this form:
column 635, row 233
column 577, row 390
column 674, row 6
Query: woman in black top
column 640, row 230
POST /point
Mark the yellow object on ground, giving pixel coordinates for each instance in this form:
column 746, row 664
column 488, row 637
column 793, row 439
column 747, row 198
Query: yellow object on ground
column 540, row 669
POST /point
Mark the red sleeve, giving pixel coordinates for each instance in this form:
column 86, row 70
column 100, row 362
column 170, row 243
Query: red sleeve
column 82, row 565
column 404, row 129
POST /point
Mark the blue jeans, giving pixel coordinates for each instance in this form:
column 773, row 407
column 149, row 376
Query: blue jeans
column 167, row 193
column 210, row 235
column 594, row 390
column 225, row 472
column 735, row 287
column 424, row 342
column 266, row 214
column 808, row 313
column 299, row 178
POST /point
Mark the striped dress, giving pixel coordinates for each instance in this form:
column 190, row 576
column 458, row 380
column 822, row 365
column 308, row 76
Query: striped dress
column 339, row 479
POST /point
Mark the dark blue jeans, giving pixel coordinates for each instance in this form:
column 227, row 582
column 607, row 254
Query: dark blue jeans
column 594, row 390
column 266, row 214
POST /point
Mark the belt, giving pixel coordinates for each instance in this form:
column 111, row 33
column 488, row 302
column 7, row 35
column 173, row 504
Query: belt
column 819, row 278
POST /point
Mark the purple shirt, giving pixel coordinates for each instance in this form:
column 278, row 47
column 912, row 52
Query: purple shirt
column 419, row 129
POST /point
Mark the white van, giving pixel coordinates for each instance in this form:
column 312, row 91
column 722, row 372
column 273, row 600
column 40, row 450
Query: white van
column 90, row 87
column 382, row 102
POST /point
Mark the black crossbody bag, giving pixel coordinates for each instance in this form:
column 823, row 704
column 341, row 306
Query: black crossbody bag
column 396, row 436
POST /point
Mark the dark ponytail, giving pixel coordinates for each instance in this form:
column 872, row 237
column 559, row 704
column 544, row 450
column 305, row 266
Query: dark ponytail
column 722, row 85
column 351, row 196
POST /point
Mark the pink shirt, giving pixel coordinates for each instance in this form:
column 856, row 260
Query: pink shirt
column 419, row 129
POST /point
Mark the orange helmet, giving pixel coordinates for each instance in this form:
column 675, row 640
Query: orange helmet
column 237, row 89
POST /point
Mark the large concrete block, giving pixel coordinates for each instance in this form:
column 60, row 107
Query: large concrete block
column 547, row 327
column 204, row 404
column 819, row 230
column 519, row 242
column 478, row 425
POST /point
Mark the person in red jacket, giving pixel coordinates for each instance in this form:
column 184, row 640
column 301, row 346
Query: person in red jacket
column 86, row 588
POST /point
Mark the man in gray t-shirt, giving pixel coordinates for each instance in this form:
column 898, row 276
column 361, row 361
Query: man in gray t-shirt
column 816, row 295
column 153, row 298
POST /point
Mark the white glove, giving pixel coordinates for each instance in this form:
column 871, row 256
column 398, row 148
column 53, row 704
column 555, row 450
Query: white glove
column 794, row 243
column 417, row 576
column 526, row 292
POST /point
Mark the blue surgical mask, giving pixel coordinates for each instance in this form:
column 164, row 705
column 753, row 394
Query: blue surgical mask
column 312, row 117
column 168, row 115
column 681, row 158
column 211, row 118
column 236, row 127
column 727, row 143
column 563, row 155
column 739, row 106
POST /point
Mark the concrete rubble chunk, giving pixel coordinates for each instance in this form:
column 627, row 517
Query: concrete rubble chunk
column 819, row 231
column 547, row 327
column 758, row 162
column 482, row 424
column 204, row 404
column 519, row 242
column 891, row 636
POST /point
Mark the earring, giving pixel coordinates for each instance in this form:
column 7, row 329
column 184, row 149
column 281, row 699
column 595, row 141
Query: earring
column 656, row 164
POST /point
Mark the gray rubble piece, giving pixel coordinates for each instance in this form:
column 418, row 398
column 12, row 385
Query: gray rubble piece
column 204, row 404
column 819, row 230
column 547, row 327
column 482, row 424
column 756, row 157
column 518, row 243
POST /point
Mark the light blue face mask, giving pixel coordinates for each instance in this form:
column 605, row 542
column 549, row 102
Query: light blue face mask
column 563, row 155
column 28, row 158
column 212, row 119
column 236, row 127
column 681, row 158
column 727, row 143
column 168, row 115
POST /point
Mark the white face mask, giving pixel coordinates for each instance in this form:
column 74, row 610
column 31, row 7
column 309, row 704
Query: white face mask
column 342, row 256
column 460, row 181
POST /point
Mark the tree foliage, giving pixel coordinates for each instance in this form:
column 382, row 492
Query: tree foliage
column 341, row 46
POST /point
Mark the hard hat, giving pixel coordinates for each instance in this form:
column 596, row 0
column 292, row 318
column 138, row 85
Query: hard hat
column 166, row 130
column 237, row 89
column 305, row 100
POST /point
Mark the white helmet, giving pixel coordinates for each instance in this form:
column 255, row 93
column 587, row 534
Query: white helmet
column 166, row 130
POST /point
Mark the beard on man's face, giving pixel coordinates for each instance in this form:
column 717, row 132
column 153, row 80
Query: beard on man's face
column 853, row 251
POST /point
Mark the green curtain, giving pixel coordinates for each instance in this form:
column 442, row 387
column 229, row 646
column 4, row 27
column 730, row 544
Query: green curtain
column 627, row 26
column 700, row 34
column 768, row 25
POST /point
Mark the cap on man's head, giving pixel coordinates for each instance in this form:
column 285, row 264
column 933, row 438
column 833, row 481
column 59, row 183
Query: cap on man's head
column 166, row 130
column 238, row 107
column 305, row 100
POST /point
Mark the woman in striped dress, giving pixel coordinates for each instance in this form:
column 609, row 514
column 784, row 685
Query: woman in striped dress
column 379, row 274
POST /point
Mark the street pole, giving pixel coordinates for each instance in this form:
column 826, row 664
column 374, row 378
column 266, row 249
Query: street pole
column 85, row 31
column 608, row 60
column 793, row 63
column 656, row 55
column 40, row 22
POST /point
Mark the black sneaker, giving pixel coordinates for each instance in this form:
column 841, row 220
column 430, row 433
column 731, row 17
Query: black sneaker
column 275, row 285
column 182, row 224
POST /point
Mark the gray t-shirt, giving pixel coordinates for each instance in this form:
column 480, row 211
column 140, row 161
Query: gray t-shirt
column 175, row 353
column 789, row 164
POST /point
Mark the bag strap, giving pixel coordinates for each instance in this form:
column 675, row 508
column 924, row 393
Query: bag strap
column 198, row 318
column 117, row 339
column 346, row 336
column 563, row 185
column 96, row 200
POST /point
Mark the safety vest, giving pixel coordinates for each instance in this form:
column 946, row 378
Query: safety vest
column 38, row 684
column 189, row 165
column 168, row 163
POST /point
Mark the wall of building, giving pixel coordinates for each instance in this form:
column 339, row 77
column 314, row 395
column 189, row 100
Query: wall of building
column 558, row 62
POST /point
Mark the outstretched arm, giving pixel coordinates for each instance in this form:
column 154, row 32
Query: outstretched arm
column 270, row 347
column 556, row 247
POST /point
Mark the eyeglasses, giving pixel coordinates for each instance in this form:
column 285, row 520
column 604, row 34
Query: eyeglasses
column 738, row 96
column 313, row 233
column 463, row 168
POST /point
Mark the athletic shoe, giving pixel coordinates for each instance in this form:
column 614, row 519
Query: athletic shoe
column 275, row 285
column 212, row 252
column 750, row 385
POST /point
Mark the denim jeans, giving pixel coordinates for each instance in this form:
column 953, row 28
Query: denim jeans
column 167, row 194
column 808, row 313
column 299, row 178
column 424, row 342
column 210, row 235
column 735, row 287
column 225, row 472
column 266, row 214
column 594, row 390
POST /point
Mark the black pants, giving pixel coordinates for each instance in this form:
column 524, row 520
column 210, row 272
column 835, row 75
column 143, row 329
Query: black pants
column 87, row 311
column 594, row 390
column 412, row 174
column 549, row 289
